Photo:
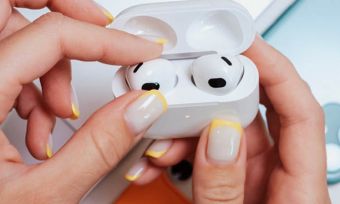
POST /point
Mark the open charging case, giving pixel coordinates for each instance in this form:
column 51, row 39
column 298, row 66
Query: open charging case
column 195, row 28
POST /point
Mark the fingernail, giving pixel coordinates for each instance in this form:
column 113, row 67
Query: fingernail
column 136, row 171
column 107, row 14
column 74, row 104
column 159, row 148
column 49, row 147
column 159, row 40
column 145, row 110
column 224, row 140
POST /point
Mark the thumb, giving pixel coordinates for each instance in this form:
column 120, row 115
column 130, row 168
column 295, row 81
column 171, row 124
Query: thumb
column 220, row 164
column 101, row 143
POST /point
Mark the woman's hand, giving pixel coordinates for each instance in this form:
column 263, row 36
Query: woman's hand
column 38, row 50
column 236, row 166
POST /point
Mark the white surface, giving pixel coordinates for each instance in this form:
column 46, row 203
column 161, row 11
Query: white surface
column 333, row 162
column 192, row 26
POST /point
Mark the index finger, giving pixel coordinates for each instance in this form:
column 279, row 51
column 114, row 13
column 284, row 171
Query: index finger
column 289, row 95
column 300, row 115
column 85, row 10
column 32, row 51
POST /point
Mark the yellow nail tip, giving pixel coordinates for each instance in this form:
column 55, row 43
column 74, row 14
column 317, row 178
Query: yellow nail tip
column 217, row 123
column 75, row 112
column 109, row 16
column 154, row 154
column 160, row 96
column 162, row 41
column 49, row 152
column 131, row 177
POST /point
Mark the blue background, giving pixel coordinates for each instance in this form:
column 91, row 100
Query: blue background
column 309, row 34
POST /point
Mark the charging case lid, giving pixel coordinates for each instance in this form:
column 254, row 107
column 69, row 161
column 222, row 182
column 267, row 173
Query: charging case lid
column 221, row 26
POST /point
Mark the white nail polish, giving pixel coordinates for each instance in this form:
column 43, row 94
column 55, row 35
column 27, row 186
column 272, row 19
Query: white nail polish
column 159, row 148
column 224, row 141
column 137, row 170
column 156, row 39
column 49, row 147
column 74, row 104
column 106, row 12
column 145, row 110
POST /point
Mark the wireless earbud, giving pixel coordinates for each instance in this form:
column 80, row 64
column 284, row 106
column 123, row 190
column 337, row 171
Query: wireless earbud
column 158, row 74
column 217, row 74
column 201, row 71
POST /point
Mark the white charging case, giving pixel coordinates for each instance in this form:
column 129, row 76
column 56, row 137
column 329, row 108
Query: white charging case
column 195, row 28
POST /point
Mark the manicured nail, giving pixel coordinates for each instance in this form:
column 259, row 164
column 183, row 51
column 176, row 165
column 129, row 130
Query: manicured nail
column 74, row 104
column 107, row 14
column 158, row 148
column 145, row 110
column 137, row 170
column 159, row 40
column 49, row 147
column 224, row 140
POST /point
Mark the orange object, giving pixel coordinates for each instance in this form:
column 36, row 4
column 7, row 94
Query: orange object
column 160, row 191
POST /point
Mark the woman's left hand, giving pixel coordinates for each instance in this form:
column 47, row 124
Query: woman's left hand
column 232, row 165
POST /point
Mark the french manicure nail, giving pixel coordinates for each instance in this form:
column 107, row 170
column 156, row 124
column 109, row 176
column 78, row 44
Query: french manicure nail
column 137, row 170
column 156, row 39
column 145, row 110
column 49, row 147
column 107, row 13
column 159, row 148
column 74, row 104
column 224, row 141
column 161, row 41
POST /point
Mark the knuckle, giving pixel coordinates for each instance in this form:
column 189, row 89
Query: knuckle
column 110, row 145
column 223, row 189
column 279, row 60
column 51, row 18
column 51, row 24
column 223, row 193
column 311, row 114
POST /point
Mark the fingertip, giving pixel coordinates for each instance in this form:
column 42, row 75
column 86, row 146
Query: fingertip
column 221, row 145
column 140, row 49
column 58, row 91
column 166, row 154
column 220, row 164
column 40, row 126
column 88, row 11
column 5, row 13
column 109, row 18
column 74, row 104
column 158, row 148
column 143, row 173
column 49, row 146
column 137, row 170
column 224, row 141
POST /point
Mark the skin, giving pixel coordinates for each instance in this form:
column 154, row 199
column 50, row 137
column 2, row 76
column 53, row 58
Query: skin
column 101, row 142
column 291, row 169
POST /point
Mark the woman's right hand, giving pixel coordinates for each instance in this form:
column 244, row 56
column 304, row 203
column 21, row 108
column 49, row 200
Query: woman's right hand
column 39, row 50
